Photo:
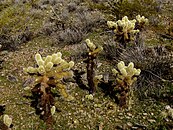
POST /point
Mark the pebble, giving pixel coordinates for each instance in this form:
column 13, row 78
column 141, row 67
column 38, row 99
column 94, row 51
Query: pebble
column 128, row 117
column 12, row 78
column 129, row 114
column 75, row 121
column 69, row 114
column 129, row 124
column 121, row 117
column 145, row 114
column 121, row 114
column 30, row 113
column 151, row 120
column 134, row 128
column 152, row 114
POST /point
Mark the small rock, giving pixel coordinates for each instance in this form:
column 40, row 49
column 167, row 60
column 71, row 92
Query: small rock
column 69, row 114
column 129, row 114
column 28, row 82
column 151, row 120
column 145, row 114
column 129, row 124
column 30, row 113
column 167, row 107
column 75, row 121
column 134, row 128
column 12, row 78
column 27, row 88
column 121, row 114
column 127, row 117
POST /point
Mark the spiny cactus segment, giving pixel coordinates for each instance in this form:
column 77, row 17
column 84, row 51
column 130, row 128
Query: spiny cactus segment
column 93, row 49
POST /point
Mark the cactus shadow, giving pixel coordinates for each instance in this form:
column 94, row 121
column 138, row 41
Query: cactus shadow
column 78, row 79
column 108, row 90
column 35, row 99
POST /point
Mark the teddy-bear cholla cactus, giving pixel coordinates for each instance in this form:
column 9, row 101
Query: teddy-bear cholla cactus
column 49, row 72
column 124, row 30
column 125, row 77
column 141, row 22
column 93, row 80
column 52, row 66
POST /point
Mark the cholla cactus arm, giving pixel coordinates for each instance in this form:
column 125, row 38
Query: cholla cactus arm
column 41, row 70
column 90, row 45
column 123, row 72
column 121, row 65
column 31, row 70
column 39, row 59
column 138, row 71
column 112, row 24
column 48, row 59
column 99, row 49
column 62, row 89
column 115, row 72
column 48, row 66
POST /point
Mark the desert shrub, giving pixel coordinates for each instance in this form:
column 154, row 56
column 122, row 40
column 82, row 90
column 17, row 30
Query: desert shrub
column 71, row 36
column 133, row 8
column 12, row 43
column 130, row 8
column 80, row 52
column 72, row 6
column 19, row 23
column 73, row 22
